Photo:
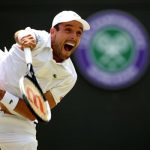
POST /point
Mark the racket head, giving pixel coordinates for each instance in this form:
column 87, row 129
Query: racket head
column 34, row 99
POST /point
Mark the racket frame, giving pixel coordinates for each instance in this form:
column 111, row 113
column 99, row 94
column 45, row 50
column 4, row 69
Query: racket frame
column 32, row 78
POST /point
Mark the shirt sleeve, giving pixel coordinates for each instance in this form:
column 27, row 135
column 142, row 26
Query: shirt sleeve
column 42, row 38
column 62, row 88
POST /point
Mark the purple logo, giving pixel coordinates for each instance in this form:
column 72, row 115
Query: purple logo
column 114, row 53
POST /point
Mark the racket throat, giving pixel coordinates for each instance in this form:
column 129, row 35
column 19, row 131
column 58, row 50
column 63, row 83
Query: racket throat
column 30, row 71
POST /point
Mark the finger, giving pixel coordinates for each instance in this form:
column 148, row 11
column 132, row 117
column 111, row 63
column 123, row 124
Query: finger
column 28, row 43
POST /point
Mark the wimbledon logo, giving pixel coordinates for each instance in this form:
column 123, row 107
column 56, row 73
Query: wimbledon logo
column 114, row 53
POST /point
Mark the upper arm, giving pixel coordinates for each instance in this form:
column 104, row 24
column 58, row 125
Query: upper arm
column 49, row 97
column 56, row 93
column 62, row 88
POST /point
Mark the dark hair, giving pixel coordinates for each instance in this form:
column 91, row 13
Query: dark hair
column 57, row 26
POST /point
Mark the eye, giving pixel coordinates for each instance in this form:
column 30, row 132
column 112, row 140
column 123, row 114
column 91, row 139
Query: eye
column 68, row 30
column 79, row 33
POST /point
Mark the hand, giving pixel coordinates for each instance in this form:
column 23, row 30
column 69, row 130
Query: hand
column 2, row 93
column 28, row 41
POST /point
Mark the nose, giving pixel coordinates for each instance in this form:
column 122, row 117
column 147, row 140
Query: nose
column 73, row 36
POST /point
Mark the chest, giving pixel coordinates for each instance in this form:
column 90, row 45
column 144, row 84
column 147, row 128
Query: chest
column 50, row 75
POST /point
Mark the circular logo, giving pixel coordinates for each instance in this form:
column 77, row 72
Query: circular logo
column 113, row 54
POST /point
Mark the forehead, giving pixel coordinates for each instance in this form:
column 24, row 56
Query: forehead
column 73, row 23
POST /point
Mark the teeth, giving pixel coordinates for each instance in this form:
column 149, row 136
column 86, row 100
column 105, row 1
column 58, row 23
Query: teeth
column 70, row 44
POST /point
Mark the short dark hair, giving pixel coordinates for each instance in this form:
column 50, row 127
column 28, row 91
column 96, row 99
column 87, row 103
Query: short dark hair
column 57, row 26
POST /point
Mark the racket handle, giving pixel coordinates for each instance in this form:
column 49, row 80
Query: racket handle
column 28, row 55
column 48, row 111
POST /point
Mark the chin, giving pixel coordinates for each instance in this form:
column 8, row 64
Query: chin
column 66, row 57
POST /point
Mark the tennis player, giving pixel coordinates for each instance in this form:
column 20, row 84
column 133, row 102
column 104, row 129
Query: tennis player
column 53, row 68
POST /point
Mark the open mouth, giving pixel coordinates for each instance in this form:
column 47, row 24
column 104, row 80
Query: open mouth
column 69, row 46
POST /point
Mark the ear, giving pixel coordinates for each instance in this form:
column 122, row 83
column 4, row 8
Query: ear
column 52, row 30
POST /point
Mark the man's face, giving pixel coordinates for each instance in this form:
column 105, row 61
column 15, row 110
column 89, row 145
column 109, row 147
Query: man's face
column 66, row 39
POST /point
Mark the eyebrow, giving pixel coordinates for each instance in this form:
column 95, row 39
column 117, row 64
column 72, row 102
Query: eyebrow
column 69, row 25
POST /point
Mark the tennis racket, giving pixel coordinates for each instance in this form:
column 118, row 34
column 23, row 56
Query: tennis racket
column 32, row 92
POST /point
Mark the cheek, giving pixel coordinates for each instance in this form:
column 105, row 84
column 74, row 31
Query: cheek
column 78, row 42
column 53, row 38
column 60, row 38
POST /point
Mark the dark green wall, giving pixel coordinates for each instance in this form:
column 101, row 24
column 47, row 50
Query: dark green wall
column 89, row 118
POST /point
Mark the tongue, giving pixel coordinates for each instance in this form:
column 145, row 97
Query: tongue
column 67, row 47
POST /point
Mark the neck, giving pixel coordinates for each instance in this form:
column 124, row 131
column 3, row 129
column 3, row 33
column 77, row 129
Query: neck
column 57, row 59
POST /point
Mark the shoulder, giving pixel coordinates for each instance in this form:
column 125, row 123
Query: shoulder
column 69, row 66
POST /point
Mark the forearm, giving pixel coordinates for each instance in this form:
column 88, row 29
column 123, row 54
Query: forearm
column 19, row 105
column 23, row 110
column 51, row 101
column 9, row 103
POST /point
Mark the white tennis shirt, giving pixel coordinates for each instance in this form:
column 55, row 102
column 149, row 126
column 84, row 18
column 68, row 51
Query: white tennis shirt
column 59, row 78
